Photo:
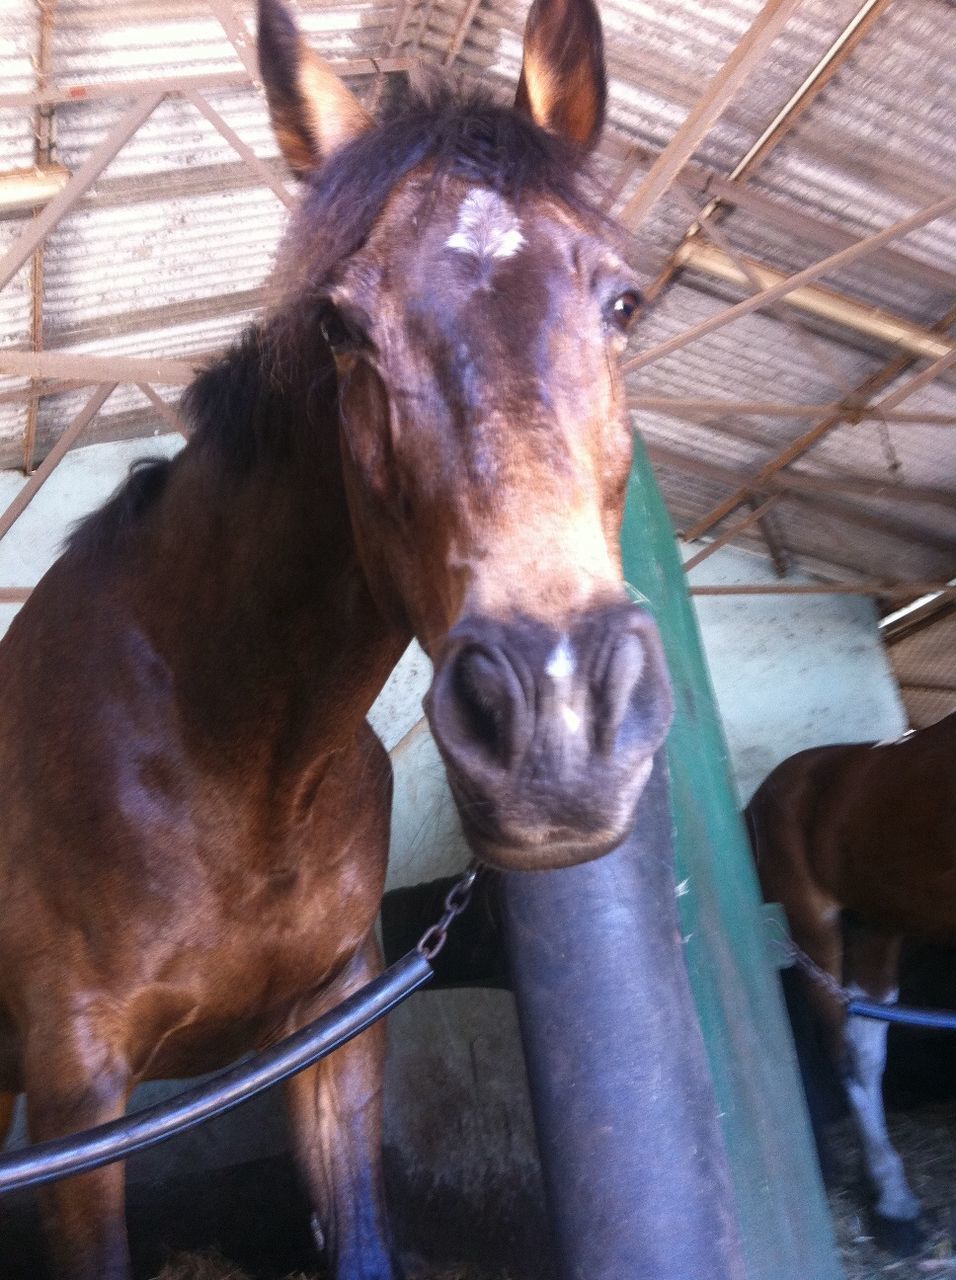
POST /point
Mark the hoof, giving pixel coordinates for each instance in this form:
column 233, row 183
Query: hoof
column 902, row 1237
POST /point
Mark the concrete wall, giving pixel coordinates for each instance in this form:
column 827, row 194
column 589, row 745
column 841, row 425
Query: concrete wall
column 789, row 672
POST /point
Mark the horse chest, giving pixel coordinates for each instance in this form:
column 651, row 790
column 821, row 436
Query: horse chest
column 240, row 988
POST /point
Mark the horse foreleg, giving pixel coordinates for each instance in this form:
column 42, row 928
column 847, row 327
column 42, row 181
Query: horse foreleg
column 74, row 1082
column 873, row 976
column 335, row 1109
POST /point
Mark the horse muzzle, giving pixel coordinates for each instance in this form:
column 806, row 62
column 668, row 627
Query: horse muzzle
column 548, row 737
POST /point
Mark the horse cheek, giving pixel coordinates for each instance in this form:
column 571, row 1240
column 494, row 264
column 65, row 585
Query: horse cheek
column 366, row 427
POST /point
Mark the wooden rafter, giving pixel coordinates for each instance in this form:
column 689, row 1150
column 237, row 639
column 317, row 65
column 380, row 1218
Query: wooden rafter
column 887, row 590
column 835, row 262
column 765, row 28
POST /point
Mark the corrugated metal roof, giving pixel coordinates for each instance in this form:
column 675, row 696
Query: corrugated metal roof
column 169, row 252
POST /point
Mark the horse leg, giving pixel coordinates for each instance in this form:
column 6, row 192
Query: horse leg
column 817, row 1017
column 335, row 1109
column 873, row 975
column 75, row 1081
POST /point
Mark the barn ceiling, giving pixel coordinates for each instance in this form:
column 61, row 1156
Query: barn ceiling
column 747, row 142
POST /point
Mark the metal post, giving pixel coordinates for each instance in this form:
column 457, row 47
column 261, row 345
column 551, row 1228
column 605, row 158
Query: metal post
column 635, row 1168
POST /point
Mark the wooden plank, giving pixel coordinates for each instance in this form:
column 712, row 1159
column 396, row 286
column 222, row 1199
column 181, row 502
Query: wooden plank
column 256, row 163
column 890, row 590
column 49, row 464
column 90, row 369
column 84, row 177
column 748, row 54
column 780, row 290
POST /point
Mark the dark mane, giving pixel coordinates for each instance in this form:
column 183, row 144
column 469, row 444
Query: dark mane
column 106, row 527
column 239, row 406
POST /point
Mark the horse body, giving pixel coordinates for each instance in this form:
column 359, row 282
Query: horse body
column 427, row 437
column 858, row 842
column 207, row 787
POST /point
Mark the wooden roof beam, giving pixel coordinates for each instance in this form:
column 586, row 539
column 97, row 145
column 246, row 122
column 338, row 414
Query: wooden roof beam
column 748, row 54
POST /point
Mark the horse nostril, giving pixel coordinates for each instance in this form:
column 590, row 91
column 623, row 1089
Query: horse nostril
column 622, row 675
column 488, row 700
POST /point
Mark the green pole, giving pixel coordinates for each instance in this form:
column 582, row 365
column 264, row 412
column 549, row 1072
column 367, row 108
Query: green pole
column 783, row 1212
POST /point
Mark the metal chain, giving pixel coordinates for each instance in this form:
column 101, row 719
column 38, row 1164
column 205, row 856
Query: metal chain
column 456, row 902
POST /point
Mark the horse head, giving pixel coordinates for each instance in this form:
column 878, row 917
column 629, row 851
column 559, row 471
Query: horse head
column 477, row 304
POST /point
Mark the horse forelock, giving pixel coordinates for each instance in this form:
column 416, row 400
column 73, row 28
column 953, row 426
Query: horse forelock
column 442, row 135
column 231, row 404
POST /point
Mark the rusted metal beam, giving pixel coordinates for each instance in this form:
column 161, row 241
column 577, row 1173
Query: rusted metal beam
column 746, row 56
column 799, row 482
column 889, row 590
column 745, row 271
column 42, row 157
column 874, row 322
column 91, row 369
column 889, row 526
column 778, row 127
column 843, row 413
column 697, row 178
column 22, row 189
column 695, row 407
column 82, row 180
column 766, row 296
column 58, row 94
column 241, row 148
column 780, row 554
column 713, row 547
column 167, row 411
column 461, row 32
column 237, row 34
column 815, row 82
column 49, row 464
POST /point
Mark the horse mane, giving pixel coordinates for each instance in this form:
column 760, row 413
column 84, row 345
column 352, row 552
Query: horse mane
column 109, row 525
column 238, row 406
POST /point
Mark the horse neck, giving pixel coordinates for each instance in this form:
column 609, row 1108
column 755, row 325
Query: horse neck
column 252, row 589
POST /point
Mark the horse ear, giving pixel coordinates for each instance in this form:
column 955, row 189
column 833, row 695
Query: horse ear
column 313, row 113
column 563, row 85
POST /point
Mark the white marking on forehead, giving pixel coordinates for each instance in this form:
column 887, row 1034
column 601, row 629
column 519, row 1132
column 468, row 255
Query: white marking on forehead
column 488, row 226
column 561, row 663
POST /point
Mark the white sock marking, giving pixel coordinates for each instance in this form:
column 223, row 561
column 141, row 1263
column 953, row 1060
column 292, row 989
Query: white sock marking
column 866, row 1039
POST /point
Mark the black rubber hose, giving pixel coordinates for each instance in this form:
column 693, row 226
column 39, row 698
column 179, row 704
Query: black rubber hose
column 48, row 1161
column 635, row 1169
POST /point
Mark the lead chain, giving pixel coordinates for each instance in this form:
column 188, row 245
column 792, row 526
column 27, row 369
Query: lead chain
column 456, row 902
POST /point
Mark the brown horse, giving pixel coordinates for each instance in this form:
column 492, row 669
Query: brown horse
column 858, row 843
column 426, row 437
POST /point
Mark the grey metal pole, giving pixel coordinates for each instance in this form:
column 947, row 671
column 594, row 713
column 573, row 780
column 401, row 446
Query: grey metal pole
column 635, row 1168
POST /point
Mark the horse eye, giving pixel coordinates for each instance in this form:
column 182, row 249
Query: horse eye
column 624, row 309
column 341, row 331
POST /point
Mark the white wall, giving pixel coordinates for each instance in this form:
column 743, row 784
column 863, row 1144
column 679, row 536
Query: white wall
column 791, row 671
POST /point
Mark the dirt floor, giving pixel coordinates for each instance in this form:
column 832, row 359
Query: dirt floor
column 924, row 1137
column 925, row 1140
